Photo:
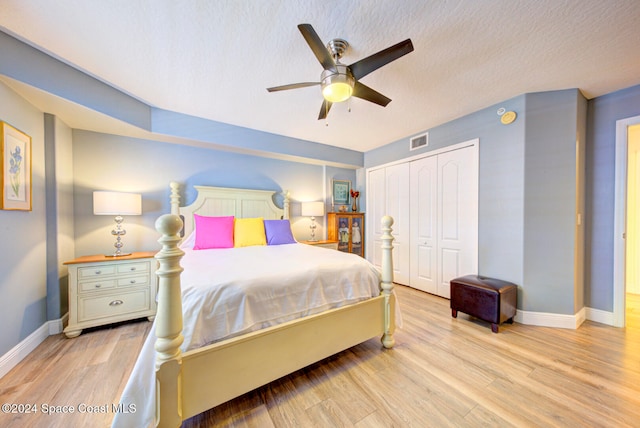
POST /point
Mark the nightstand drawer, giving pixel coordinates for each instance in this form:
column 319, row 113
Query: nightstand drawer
column 133, row 268
column 133, row 281
column 90, row 308
column 105, row 289
column 96, row 271
column 96, row 285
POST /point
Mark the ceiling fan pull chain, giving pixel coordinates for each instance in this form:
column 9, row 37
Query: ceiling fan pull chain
column 326, row 114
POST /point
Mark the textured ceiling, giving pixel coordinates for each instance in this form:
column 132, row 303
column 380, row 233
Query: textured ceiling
column 215, row 58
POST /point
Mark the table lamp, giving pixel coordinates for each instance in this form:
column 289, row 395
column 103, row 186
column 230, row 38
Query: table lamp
column 117, row 204
column 313, row 210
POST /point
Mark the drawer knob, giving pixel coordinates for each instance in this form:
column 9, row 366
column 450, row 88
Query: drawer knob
column 98, row 272
column 116, row 303
column 98, row 285
column 133, row 268
column 133, row 281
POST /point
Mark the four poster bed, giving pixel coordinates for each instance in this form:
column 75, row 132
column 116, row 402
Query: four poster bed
column 331, row 300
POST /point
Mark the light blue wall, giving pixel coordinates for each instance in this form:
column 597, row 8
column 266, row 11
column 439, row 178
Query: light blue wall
column 550, row 210
column 109, row 162
column 59, row 200
column 23, row 266
column 603, row 112
column 222, row 135
column 29, row 65
column 527, row 193
column 501, row 197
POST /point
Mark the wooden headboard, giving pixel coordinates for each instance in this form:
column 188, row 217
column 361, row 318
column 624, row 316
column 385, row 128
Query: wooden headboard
column 224, row 201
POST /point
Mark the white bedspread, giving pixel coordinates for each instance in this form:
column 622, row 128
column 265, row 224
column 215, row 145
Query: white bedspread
column 229, row 292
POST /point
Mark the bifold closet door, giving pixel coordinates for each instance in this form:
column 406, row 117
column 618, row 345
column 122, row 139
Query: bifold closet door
column 444, row 219
column 376, row 209
column 397, row 196
column 458, row 216
column 424, row 224
column 388, row 194
column 434, row 201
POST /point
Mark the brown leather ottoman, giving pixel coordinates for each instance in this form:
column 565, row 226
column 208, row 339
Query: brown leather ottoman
column 489, row 299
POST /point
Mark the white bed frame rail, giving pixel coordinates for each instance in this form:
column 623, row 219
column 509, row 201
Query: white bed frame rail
column 192, row 382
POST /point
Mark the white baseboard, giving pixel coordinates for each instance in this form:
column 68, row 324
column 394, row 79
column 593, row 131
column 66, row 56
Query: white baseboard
column 24, row 348
column 56, row 326
column 543, row 319
column 598, row 315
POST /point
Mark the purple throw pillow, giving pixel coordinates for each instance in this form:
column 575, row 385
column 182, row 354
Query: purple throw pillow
column 278, row 232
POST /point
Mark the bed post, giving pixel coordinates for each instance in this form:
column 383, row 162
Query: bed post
column 285, row 204
column 169, row 324
column 387, row 282
column 174, row 198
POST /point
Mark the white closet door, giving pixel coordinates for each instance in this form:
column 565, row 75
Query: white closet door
column 397, row 205
column 434, row 202
column 457, row 216
column 376, row 209
column 423, row 224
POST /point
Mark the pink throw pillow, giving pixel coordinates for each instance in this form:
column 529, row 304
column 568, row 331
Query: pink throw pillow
column 213, row 232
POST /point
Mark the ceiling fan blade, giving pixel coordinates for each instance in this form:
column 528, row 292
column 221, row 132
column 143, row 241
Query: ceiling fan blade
column 292, row 86
column 324, row 110
column 367, row 65
column 366, row 93
column 316, row 45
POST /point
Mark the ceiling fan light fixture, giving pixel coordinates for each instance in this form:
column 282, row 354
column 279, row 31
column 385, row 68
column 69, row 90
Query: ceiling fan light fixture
column 337, row 86
column 337, row 92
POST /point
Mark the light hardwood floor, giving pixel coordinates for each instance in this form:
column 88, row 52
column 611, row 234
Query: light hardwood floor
column 442, row 372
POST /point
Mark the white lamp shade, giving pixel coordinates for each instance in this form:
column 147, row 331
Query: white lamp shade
column 312, row 209
column 117, row 203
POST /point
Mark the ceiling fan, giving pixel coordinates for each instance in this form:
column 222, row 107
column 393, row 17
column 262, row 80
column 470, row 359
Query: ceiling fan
column 338, row 81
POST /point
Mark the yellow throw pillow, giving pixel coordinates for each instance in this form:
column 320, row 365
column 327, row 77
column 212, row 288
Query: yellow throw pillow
column 248, row 232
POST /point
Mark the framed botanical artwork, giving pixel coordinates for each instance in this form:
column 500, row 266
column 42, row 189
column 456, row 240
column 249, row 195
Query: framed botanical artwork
column 341, row 189
column 15, row 155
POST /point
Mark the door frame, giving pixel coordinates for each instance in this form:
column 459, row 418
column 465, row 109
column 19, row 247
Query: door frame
column 620, row 219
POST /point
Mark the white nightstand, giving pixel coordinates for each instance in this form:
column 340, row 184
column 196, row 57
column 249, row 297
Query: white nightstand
column 104, row 290
column 324, row 244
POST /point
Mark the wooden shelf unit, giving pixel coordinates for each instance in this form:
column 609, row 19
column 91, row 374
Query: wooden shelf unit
column 348, row 229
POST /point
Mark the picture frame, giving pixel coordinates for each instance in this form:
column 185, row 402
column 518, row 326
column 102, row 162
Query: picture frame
column 340, row 192
column 15, row 156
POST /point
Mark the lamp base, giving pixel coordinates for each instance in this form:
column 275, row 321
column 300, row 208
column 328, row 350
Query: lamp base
column 117, row 255
column 312, row 226
column 118, row 232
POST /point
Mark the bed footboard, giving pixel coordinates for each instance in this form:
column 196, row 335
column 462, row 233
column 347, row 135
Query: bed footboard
column 194, row 378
